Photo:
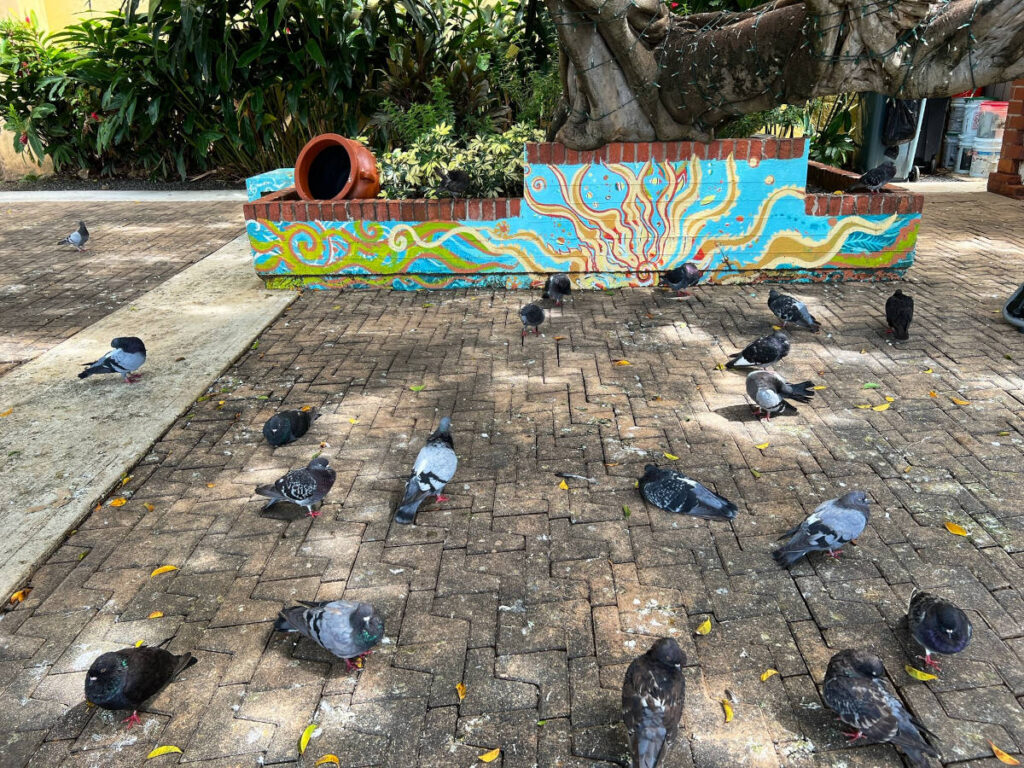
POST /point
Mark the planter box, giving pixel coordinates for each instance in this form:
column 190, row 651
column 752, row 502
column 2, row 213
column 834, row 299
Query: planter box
column 612, row 217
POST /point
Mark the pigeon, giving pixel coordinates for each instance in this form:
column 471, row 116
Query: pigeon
column 346, row 629
column 878, row 176
column 681, row 278
column 1013, row 310
column 899, row 311
column 305, row 487
column 764, row 351
column 435, row 466
column 770, row 392
column 827, row 529
column 288, row 426
column 532, row 316
column 652, row 701
column 125, row 679
column 937, row 625
column 556, row 288
column 127, row 355
column 455, row 182
column 674, row 492
column 791, row 311
column 78, row 238
column 856, row 689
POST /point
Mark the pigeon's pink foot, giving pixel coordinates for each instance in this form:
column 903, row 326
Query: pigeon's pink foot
column 314, row 513
column 888, row 330
column 132, row 719
column 441, row 499
column 834, row 555
column 854, row 735
column 930, row 662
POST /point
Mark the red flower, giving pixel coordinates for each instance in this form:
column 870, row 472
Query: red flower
column 94, row 116
column 24, row 139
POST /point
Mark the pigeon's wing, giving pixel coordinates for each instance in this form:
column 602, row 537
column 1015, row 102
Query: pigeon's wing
column 436, row 463
column 298, row 485
column 126, row 362
column 103, row 365
column 670, row 491
column 861, row 704
column 710, row 504
column 908, row 735
column 336, row 632
column 844, row 523
column 299, row 422
column 879, row 176
column 149, row 670
column 920, row 604
column 651, row 709
column 762, row 351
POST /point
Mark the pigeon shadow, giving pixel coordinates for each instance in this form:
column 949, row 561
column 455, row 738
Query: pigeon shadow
column 736, row 413
column 284, row 510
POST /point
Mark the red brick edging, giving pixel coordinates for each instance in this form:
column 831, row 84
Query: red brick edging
column 892, row 200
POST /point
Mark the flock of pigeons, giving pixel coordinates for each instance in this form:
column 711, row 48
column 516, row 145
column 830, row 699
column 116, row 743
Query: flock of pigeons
column 653, row 692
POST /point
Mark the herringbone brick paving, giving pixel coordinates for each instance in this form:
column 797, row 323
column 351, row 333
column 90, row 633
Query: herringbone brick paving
column 50, row 291
column 534, row 597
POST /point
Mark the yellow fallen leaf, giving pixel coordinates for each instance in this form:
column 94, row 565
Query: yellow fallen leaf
column 460, row 688
column 776, row 327
column 125, row 479
column 120, row 501
column 149, row 507
column 890, row 399
column 156, row 615
column 863, row 351
column 303, row 409
column 933, row 393
column 882, row 407
column 864, row 406
column 928, row 370
column 165, row 750
column 1004, row 434
column 138, row 643
column 959, row 530
column 670, row 457
column 958, row 401
column 838, row 192
column 1002, row 757
column 563, row 485
column 768, row 673
column 728, row 710
column 489, row 757
column 762, row 446
column 917, row 674
column 20, row 595
column 211, row 485
column 611, row 463
column 820, row 387
column 353, row 421
column 623, row 362
column 327, row 759
column 163, row 569
column 304, row 738
column 559, row 338
column 417, row 387
column 6, row 413
column 704, row 628
column 755, row 473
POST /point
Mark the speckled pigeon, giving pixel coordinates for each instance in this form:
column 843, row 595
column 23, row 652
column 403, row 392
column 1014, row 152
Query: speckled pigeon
column 675, row 492
column 347, row 629
column 791, row 311
column 937, row 625
column 556, row 288
column 682, row 277
column 770, row 393
column 532, row 316
column 764, row 351
column 652, row 701
column 435, row 466
column 827, row 529
column 125, row 679
column 856, row 689
column 126, row 357
column 305, row 487
column 455, row 182
column 878, row 176
column 287, row 426
column 899, row 311
column 78, row 238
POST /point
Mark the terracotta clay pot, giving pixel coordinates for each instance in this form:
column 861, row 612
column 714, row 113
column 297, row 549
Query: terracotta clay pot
column 331, row 167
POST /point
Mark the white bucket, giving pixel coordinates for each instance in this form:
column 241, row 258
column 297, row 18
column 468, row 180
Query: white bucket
column 949, row 150
column 970, row 125
column 985, row 159
column 992, row 119
column 956, row 114
column 963, row 154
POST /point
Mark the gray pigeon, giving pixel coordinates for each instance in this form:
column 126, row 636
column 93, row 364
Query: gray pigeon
column 532, row 316
column 78, row 238
column 348, row 630
column 126, row 357
column 675, row 492
column 899, row 311
column 791, row 311
column 937, row 625
column 305, row 487
column 125, row 679
column 455, row 182
column 769, row 391
column 764, row 351
column 856, row 689
column 287, row 426
column 878, row 176
column 652, row 701
column 435, row 466
column 681, row 278
column 556, row 288
column 827, row 529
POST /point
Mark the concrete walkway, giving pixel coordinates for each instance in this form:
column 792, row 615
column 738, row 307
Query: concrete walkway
column 67, row 441
column 124, row 196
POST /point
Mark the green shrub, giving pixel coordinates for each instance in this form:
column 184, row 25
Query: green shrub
column 494, row 163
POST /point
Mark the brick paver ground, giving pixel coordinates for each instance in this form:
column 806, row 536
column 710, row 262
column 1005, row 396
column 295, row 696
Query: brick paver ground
column 50, row 292
column 534, row 597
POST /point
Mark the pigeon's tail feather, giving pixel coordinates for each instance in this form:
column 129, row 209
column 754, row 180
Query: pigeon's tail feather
column 732, row 363
column 649, row 745
column 270, row 491
column 290, row 620
column 788, row 554
column 801, row 392
column 185, row 661
column 901, row 331
column 414, row 496
column 86, row 373
column 919, row 754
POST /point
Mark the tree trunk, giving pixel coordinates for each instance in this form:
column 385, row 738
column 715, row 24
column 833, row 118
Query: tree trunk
column 633, row 71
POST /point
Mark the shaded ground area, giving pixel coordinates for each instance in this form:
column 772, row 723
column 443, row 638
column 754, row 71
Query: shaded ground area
column 49, row 292
column 536, row 597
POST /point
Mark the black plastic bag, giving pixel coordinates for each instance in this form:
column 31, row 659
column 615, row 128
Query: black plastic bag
column 899, row 123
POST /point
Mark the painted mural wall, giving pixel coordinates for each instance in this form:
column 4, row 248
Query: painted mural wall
column 741, row 217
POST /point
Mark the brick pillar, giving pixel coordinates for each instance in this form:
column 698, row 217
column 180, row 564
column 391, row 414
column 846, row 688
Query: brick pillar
column 1006, row 180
